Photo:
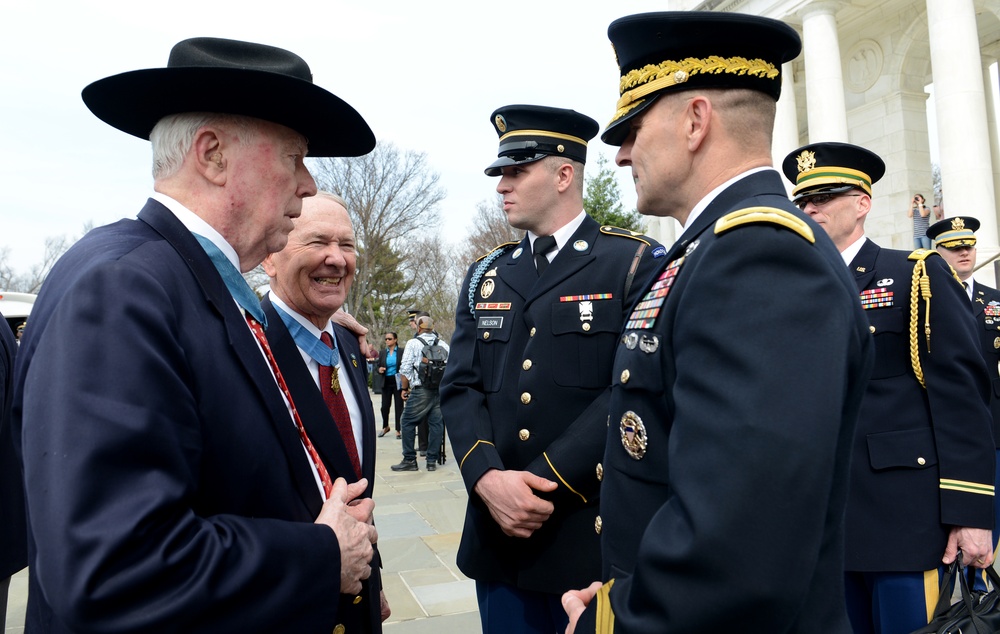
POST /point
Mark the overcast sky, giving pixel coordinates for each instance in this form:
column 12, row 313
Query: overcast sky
column 425, row 75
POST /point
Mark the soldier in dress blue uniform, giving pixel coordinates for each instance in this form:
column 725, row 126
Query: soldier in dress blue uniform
column 738, row 378
column 922, row 464
column 525, row 393
column 955, row 239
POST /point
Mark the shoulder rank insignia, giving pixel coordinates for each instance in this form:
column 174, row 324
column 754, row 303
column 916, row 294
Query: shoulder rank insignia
column 499, row 247
column 769, row 215
column 609, row 230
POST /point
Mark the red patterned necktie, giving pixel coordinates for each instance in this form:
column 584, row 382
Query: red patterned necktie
column 324, row 475
column 329, row 384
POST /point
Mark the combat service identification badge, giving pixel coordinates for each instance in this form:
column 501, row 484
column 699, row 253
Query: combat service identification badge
column 487, row 289
column 633, row 435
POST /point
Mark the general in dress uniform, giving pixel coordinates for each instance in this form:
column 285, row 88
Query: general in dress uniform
column 527, row 385
column 738, row 377
column 922, row 463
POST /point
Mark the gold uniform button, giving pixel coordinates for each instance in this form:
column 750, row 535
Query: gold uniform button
column 524, row 434
column 625, row 375
column 600, row 472
column 340, row 629
column 921, row 461
column 486, row 335
column 586, row 327
column 357, row 599
column 526, row 365
column 598, row 523
column 531, row 333
column 872, row 329
column 525, row 398
column 996, row 343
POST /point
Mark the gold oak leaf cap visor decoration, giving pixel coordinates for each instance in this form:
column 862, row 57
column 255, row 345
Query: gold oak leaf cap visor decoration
column 672, row 51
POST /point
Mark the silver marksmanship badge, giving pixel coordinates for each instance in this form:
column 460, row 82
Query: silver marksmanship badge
column 517, row 253
column 487, row 288
column 587, row 311
column 691, row 247
column 649, row 343
column 633, row 435
column 630, row 340
column 580, row 245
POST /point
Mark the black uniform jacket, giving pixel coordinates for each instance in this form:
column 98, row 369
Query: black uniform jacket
column 732, row 412
column 923, row 459
column 361, row 613
column 526, row 388
column 986, row 308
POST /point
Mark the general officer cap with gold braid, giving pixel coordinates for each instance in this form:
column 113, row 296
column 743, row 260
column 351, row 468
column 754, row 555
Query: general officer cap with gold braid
column 530, row 133
column 831, row 168
column 952, row 233
column 671, row 51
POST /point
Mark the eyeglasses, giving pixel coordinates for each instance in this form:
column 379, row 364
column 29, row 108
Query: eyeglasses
column 389, row 339
column 821, row 199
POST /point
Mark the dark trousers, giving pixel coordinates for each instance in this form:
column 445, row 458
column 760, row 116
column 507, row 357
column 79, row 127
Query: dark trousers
column 391, row 395
column 422, row 403
column 504, row 608
column 891, row 602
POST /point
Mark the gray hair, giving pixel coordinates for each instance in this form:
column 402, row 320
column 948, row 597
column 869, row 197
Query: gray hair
column 173, row 135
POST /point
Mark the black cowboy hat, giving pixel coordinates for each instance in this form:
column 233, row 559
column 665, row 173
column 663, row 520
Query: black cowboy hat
column 206, row 74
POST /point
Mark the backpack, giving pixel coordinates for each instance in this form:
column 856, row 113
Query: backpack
column 433, row 359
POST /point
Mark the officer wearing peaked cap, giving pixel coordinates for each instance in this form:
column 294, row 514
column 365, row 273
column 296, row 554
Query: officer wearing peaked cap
column 922, row 465
column 955, row 239
column 524, row 396
column 725, row 472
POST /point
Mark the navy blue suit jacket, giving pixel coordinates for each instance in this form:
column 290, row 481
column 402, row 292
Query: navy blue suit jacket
column 742, row 391
column 167, row 486
column 326, row 439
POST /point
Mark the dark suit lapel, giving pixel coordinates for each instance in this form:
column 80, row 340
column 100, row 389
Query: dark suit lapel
column 242, row 341
column 350, row 352
column 569, row 260
column 979, row 299
column 315, row 415
column 863, row 265
column 518, row 271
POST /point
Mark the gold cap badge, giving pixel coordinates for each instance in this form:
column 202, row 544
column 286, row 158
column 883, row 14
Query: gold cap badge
column 806, row 160
column 501, row 123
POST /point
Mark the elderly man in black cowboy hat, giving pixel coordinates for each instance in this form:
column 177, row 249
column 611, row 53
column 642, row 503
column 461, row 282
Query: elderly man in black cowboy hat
column 172, row 484
column 738, row 377
column 922, row 467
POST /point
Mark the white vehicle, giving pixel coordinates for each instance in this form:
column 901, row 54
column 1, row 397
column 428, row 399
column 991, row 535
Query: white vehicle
column 15, row 307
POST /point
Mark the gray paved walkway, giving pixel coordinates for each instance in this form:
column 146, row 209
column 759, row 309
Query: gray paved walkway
column 419, row 518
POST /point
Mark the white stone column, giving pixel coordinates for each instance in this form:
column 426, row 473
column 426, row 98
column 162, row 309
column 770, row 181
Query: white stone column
column 991, row 124
column 824, row 73
column 786, row 121
column 962, row 126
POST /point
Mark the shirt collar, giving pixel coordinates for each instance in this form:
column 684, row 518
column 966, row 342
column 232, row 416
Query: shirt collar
column 562, row 235
column 306, row 334
column 195, row 224
column 707, row 200
column 852, row 250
